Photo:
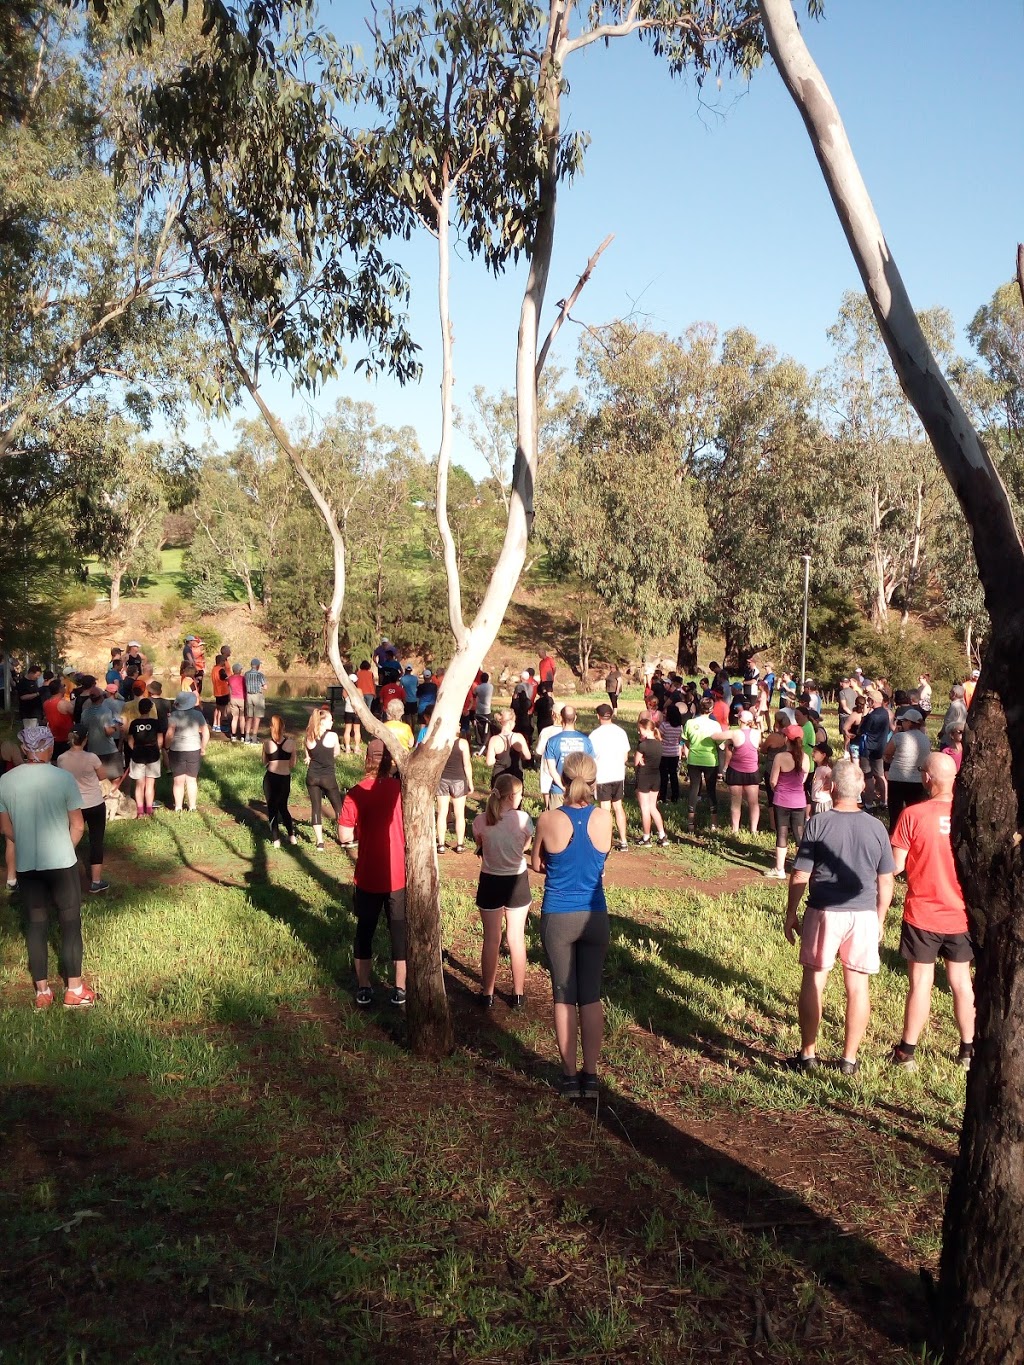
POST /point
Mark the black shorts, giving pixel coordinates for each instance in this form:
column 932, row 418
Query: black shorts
column 497, row 892
column 920, row 945
column 735, row 779
column 610, row 791
column 223, row 702
column 368, row 906
column 183, row 762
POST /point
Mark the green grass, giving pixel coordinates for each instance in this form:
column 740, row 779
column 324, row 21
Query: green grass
column 226, row 1158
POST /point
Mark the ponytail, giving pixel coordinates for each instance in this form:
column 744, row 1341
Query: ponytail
column 504, row 786
column 579, row 776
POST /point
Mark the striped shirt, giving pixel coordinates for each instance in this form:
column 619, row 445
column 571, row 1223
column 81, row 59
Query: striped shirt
column 255, row 682
column 670, row 736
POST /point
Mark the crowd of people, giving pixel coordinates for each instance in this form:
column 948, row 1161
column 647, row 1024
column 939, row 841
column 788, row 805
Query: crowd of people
column 80, row 741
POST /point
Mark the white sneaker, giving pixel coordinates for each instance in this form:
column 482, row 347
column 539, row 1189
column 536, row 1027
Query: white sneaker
column 773, row 874
column 275, row 843
column 293, row 838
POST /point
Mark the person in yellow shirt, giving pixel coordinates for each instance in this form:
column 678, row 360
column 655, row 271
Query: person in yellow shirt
column 395, row 712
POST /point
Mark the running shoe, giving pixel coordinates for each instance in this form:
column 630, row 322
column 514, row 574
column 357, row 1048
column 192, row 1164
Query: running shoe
column 44, row 999
column 97, row 888
column 798, row 1062
column 904, row 1060
column 644, row 843
column 398, row 996
column 364, row 996
column 569, row 1087
column 774, row 875
column 80, row 998
column 518, row 1001
column 847, row 1068
column 293, row 838
column 965, row 1056
column 275, row 843
column 589, row 1087
column 664, row 841
column 320, row 847
column 485, row 1002
column 12, row 887
column 622, row 848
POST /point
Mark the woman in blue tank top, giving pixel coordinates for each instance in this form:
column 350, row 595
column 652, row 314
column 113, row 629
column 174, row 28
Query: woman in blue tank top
column 571, row 845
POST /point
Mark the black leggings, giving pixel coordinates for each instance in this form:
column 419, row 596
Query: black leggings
column 368, row 905
column 319, row 788
column 669, row 778
column 277, row 788
column 709, row 776
column 96, row 823
column 786, row 820
column 42, row 893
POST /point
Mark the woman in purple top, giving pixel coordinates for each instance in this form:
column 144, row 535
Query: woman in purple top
column 789, row 796
column 742, row 776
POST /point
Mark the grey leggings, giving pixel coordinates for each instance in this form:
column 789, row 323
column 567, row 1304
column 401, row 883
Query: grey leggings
column 575, row 943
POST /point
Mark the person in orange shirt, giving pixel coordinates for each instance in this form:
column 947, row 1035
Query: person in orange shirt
column 934, row 917
column 969, row 686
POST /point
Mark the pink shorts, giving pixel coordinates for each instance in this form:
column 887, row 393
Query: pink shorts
column 850, row 935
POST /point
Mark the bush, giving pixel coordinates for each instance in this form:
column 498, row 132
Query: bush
column 170, row 609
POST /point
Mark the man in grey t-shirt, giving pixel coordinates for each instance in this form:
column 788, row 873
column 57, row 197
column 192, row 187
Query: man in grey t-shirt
column 845, row 864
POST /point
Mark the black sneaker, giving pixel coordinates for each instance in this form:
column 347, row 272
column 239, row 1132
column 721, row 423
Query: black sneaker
column 965, row 1056
column 589, row 1087
column 398, row 996
column 798, row 1062
column 485, row 1002
column 847, row 1068
column 569, row 1087
column 621, row 848
column 518, row 1001
column 364, row 996
column 98, row 888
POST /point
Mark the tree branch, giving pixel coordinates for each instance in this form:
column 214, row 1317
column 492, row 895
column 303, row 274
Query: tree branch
column 451, row 560
column 566, row 304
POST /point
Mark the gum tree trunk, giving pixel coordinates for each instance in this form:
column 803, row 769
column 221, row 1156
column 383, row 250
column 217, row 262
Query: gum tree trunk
column 686, row 648
column 981, row 1299
column 430, row 1027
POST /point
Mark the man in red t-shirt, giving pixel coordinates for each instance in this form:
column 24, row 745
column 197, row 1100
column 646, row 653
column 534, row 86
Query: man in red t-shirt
column 372, row 813
column 391, row 691
column 934, row 916
column 546, row 667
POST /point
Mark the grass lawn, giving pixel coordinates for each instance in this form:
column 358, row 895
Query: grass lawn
column 225, row 1159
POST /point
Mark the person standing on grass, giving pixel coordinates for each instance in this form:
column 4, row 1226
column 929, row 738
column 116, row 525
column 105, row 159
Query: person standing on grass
column 482, row 719
column 221, row 693
column 185, row 741
column 372, row 815
column 568, row 740
column 395, row 713
column 907, row 752
column 647, row 765
column 144, row 742
column 236, row 706
column 546, row 667
column 455, row 786
column 321, row 776
column 954, row 745
column 671, row 736
column 701, row 737
column 611, row 747
column 279, row 755
column 846, row 866
column 365, row 683
column 410, row 686
column 506, row 751
column 41, row 811
column 102, row 714
column 571, row 847
column 956, row 713
column 87, row 771
column 350, row 723
column 873, row 736
column 255, row 700
column 613, row 686
column 742, row 775
column 788, row 782
column 59, row 715
column 503, row 832
column 934, row 915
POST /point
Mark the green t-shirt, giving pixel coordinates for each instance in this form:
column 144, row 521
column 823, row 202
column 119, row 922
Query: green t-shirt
column 37, row 797
column 810, row 738
column 703, row 750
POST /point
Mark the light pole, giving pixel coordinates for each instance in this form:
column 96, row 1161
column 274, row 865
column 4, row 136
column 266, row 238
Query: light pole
column 803, row 639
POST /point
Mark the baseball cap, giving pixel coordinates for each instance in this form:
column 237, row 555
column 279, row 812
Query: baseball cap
column 255, row 663
column 113, row 689
column 976, row 673
column 794, row 732
column 374, row 751
column 912, row 714
column 874, row 695
column 134, row 644
column 747, row 717
column 184, row 701
column 427, row 673
column 188, row 638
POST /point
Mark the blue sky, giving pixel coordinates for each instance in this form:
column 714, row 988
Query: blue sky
column 720, row 213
